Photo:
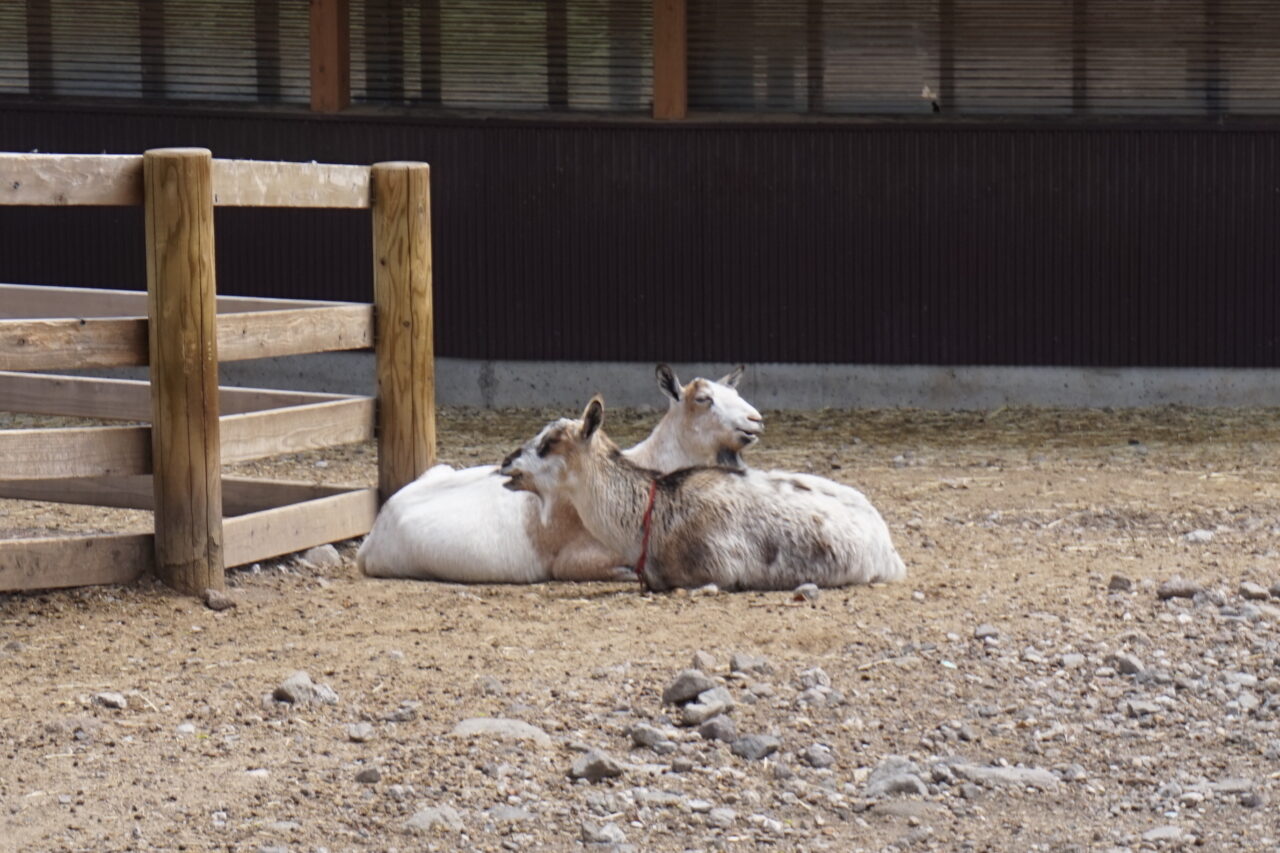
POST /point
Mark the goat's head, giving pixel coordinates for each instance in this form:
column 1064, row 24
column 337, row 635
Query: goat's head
column 713, row 417
column 541, row 464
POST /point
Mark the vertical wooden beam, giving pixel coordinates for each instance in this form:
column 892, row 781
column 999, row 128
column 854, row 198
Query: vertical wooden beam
column 429, row 52
column 266, row 49
column 182, row 333
column 151, row 43
column 815, row 54
column 670, row 59
column 1079, row 55
column 557, row 40
column 39, row 48
column 330, row 55
column 403, row 323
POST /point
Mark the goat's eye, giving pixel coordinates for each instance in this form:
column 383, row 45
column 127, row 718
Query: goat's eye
column 546, row 446
column 702, row 401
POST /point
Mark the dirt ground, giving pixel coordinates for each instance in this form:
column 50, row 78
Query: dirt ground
column 1142, row 723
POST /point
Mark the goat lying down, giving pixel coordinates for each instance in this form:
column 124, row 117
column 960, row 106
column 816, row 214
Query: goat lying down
column 737, row 529
column 463, row 526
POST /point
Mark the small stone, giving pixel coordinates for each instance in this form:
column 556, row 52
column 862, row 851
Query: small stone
column 722, row 817
column 1135, row 708
column 896, row 774
column 681, row 764
column 813, row 677
column 643, row 734
column 115, row 701
column 1168, row 833
column 1119, row 583
column 509, row 814
column 755, row 747
column 720, row 728
column 1072, row 660
column 216, row 599
column 1178, row 588
column 1199, row 537
column 1253, row 799
column 323, row 556
column 750, row 664
column 609, row 833
column 487, row 685
column 1125, row 664
column 186, row 729
column 687, row 685
column 984, row 631
column 1254, row 591
column 360, row 732
column 369, row 775
column 503, row 729
column 436, row 817
column 1074, row 773
column 299, row 689
column 710, row 703
column 818, row 756
column 595, row 766
column 807, row 592
column 703, row 662
column 400, row 793
column 1275, row 590
column 1022, row 777
column 970, row 791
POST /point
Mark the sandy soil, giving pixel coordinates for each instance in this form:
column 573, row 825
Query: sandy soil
column 1016, row 520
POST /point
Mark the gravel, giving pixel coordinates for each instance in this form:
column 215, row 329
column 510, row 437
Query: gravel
column 299, row 689
column 686, row 686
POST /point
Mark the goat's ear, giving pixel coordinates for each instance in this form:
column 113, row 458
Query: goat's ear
column 668, row 383
column 592, row 417
column 731, row 378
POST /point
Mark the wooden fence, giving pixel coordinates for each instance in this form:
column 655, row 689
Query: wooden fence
column 181, row 329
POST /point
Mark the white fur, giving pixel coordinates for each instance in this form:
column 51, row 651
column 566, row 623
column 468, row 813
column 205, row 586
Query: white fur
column 463, row 526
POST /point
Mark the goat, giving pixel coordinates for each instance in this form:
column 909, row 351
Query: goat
column 735, row 528
column 463, row 526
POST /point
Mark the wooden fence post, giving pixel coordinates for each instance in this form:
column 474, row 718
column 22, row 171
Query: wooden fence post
column 182, row 333
column 403, row 318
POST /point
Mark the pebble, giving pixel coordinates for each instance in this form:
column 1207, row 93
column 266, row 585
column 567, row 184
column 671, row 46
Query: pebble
column 1254, row 591
column 299, row 689
column 682, row 764
column 1024, row 777
column 1119, row 583
column 501, row 728
column 984, row 631
column 1073, row 660
column 1178, row 588
column 323, row 556
column 896, row 774
column 436, row 817
column 643, row 734
column 1199, row 537
column 1253, row 799
column 818, row 755
column 722, row 817
column 710, row 703
column 807, row 592
column 1125, row 664
column 109, row 699
column 595, row 766
column 719, row 727
column 703, row 661
column 687, row 685
column 1168, row 833
column 755, row 747
column 369, row 775
column 216, row 599
column 813, row 677
column 753, row 665
column 608, row 833
column 1275, row 590
column 186, row 729
column 360, row 732
column 509, row 814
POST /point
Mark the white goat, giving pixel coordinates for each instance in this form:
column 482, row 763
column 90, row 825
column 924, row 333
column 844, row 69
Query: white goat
column 734, row 528
column 463, row 526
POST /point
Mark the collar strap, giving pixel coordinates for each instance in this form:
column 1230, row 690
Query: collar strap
column 644, row 540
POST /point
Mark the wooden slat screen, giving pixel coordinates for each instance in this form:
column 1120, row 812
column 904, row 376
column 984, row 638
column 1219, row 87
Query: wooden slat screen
column 968, row 57
column 180, row 50
column 503, row 54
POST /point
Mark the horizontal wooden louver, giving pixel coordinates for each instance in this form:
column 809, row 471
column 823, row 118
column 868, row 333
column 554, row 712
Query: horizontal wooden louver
column 503, row 54
column 180, row 50
column 998, row 57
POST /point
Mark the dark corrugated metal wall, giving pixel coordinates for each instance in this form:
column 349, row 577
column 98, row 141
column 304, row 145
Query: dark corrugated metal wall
column 861, row 243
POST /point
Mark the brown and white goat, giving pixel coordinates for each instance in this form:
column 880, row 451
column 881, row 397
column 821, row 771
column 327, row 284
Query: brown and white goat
column 737, row 529
column 463, row 526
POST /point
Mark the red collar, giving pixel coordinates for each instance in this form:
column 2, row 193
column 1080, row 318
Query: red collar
column 644, row 540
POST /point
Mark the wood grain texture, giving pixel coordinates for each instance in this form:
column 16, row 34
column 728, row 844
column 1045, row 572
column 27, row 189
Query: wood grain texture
column 670, row 59
column 403, row 320
column 261, row 334
column 293, row 430
column 285, row 529
column 184, row 368
column 72, row 343
column 54, row 563
column 70, row 179
column 240, row 495
column 256, row 183
column 330, row 55
column 46, row 454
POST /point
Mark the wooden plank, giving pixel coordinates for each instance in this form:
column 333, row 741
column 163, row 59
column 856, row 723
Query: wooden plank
column 38, row 301
column 184, row 368
column 54, row 563
column 254, row 183
column 286, row 529
column 70, row 179
column 240, row 495
column 71, row 344
column 46, row 454
column 402, row 296
column 293, row 430
column 670, row 60
column 260, row 334
column 127, row 399
column 330, row 55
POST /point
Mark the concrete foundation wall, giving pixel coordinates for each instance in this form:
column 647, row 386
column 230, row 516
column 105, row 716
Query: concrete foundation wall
column 568, row 385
